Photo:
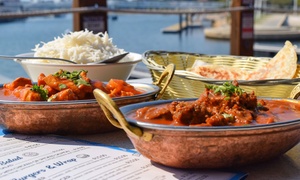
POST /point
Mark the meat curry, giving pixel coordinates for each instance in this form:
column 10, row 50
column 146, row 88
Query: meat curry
column 64, row 85
column 225, row 105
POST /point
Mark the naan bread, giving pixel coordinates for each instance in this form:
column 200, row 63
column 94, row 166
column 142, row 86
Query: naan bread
column 282, row 66
column 220, row 72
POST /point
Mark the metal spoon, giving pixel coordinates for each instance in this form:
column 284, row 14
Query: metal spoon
column 35, row 58
column 113, row 59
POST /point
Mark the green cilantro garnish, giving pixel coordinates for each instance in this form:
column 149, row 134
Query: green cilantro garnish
column 227, row 89
column 39, row 89
column 62, row 86
column 259, row 105
column 82, row 81
column 262, row 107
column 74, row 76
column 227, row 116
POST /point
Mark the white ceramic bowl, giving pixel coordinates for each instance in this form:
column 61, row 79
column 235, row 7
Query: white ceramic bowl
column 102, row 72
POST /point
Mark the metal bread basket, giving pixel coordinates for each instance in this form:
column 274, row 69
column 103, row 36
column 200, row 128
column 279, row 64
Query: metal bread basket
column 187, row 85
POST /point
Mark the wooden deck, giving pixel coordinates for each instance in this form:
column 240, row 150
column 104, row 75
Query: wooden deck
column 176, row 28
column 260, row 34
column 272, row 27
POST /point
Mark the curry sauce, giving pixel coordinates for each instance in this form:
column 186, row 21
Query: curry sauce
column 226, row 105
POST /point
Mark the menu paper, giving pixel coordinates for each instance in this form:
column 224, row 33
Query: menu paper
column 26, row 157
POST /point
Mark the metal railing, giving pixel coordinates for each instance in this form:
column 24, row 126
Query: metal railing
column 12, row 15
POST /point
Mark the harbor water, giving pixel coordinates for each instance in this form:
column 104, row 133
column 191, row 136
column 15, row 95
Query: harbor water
column 132, row 32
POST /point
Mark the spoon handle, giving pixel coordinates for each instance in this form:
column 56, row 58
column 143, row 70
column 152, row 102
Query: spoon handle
column 113, row 59
column 35, row 58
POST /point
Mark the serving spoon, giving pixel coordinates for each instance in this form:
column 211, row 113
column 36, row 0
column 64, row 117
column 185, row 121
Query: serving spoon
column 113, row 59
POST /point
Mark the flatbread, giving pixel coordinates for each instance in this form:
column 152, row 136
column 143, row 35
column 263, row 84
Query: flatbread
column 282, row 66
column 220, row 72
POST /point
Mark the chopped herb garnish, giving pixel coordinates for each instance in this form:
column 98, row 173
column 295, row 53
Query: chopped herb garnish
column 227, row 89
column 262, row 107
column 62, row 86
column 228, row 116
column 39, row 89
column 74, row 76
column 82, row 81
column 259, row 105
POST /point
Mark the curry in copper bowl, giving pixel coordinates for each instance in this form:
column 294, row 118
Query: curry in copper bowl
column 63, row 102
column 225, row 127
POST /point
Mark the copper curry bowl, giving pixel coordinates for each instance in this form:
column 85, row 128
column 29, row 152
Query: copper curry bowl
column 72, row 117
column 204, row 146
column 65, row 117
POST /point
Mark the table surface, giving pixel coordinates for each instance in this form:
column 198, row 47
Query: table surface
column 285, row 167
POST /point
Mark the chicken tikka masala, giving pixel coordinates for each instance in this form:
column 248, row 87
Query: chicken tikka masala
column 224, row 105
column 64, row 85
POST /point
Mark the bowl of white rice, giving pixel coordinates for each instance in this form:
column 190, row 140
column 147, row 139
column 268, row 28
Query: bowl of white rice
column 81, row 47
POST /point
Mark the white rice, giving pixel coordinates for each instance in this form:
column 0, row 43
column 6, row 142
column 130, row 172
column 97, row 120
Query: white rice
column 81, row 47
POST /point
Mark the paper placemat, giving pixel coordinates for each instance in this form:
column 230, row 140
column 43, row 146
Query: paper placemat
column 24, row 157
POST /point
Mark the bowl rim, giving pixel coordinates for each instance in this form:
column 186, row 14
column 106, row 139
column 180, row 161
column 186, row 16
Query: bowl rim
column 149, row 88
column 138, row 58
column 127, row 109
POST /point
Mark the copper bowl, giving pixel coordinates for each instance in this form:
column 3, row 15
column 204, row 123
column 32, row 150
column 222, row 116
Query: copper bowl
column 203, row 147
column 72, row 117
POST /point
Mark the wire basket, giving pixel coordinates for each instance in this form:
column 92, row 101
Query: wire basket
column 188, row 85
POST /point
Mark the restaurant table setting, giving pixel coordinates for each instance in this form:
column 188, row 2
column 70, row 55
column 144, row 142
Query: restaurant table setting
column 199, row 116
column 46, row 155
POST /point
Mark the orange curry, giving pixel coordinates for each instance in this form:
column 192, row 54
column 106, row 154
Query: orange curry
column 65, row 85
column 225, row 105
